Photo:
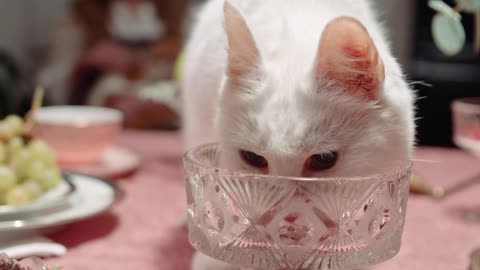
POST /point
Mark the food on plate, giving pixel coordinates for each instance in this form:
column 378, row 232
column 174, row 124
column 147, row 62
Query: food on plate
column 28, row 167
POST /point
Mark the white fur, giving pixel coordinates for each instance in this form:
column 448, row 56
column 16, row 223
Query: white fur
column 283, row 117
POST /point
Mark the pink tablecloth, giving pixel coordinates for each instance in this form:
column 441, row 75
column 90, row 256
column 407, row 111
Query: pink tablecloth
column 143, row 232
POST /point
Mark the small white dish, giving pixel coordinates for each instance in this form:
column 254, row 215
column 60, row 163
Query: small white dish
column 28, row 246
column 115, row 162
column 93, row 196
column 53, row 199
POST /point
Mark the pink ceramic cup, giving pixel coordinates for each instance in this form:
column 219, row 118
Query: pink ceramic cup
column 78, row 134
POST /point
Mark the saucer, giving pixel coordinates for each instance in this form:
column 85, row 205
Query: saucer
column 93, row 196
column 115, row 162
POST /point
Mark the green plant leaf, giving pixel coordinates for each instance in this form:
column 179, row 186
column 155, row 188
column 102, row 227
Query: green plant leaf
column 448, row 34
column 471, row 6
column 443, row 9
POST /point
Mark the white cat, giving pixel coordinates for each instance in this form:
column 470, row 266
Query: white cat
column 298, row 87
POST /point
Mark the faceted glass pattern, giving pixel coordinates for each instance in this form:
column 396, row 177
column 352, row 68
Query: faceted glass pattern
column 270, row 222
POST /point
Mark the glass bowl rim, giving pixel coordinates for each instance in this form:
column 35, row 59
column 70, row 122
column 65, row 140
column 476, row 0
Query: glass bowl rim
column 189, row 157
column 468, row 104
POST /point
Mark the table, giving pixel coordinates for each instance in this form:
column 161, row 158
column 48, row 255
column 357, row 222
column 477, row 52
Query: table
column 143, row 231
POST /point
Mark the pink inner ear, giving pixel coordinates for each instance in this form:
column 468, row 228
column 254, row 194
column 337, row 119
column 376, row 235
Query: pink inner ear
column 348, row 56
column 243, row 54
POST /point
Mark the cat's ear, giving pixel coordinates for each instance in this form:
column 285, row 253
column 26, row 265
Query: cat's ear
column 243, row 54
column 347, row 56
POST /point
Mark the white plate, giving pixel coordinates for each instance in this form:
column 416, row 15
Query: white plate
column 92, row 197
column 54, row 198
column 115, row 162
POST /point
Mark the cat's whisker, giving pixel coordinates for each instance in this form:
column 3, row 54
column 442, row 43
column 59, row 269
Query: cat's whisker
column 417, row 118
column 420, row 97
column 422, row 83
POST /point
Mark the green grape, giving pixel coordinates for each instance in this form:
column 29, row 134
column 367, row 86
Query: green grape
column 41, row 151
column 8, row 179
column 26, row 171
column 35, row 170
column 6, row 132
column 16, row 123
column 50, row 178
column 2, row 198
column 18, row 196
column 20, row 163
column 33, row 188
column 3, row 152
column 14, row 146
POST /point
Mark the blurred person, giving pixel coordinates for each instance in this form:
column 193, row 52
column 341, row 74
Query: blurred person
column 105, row 47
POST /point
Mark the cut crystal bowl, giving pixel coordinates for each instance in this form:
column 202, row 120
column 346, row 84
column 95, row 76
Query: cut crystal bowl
column 270, row 222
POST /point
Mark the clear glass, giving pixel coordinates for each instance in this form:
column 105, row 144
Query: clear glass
column 33, row 263
column 466, row 135
column 30, row 263
column 271, row 222
column 466, row 124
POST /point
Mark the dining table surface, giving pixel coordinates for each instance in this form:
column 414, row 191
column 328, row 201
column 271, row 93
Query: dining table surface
column 144, row 230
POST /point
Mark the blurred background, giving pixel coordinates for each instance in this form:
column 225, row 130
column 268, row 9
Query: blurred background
column 92, row 52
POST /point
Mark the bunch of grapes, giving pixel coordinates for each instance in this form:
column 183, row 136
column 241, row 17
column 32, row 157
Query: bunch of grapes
column 27, row 167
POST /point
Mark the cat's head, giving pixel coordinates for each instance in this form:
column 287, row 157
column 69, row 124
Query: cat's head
column 332, row 119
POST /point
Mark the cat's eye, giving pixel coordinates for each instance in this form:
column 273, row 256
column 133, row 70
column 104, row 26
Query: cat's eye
column 321, row 162
column 253, row 159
